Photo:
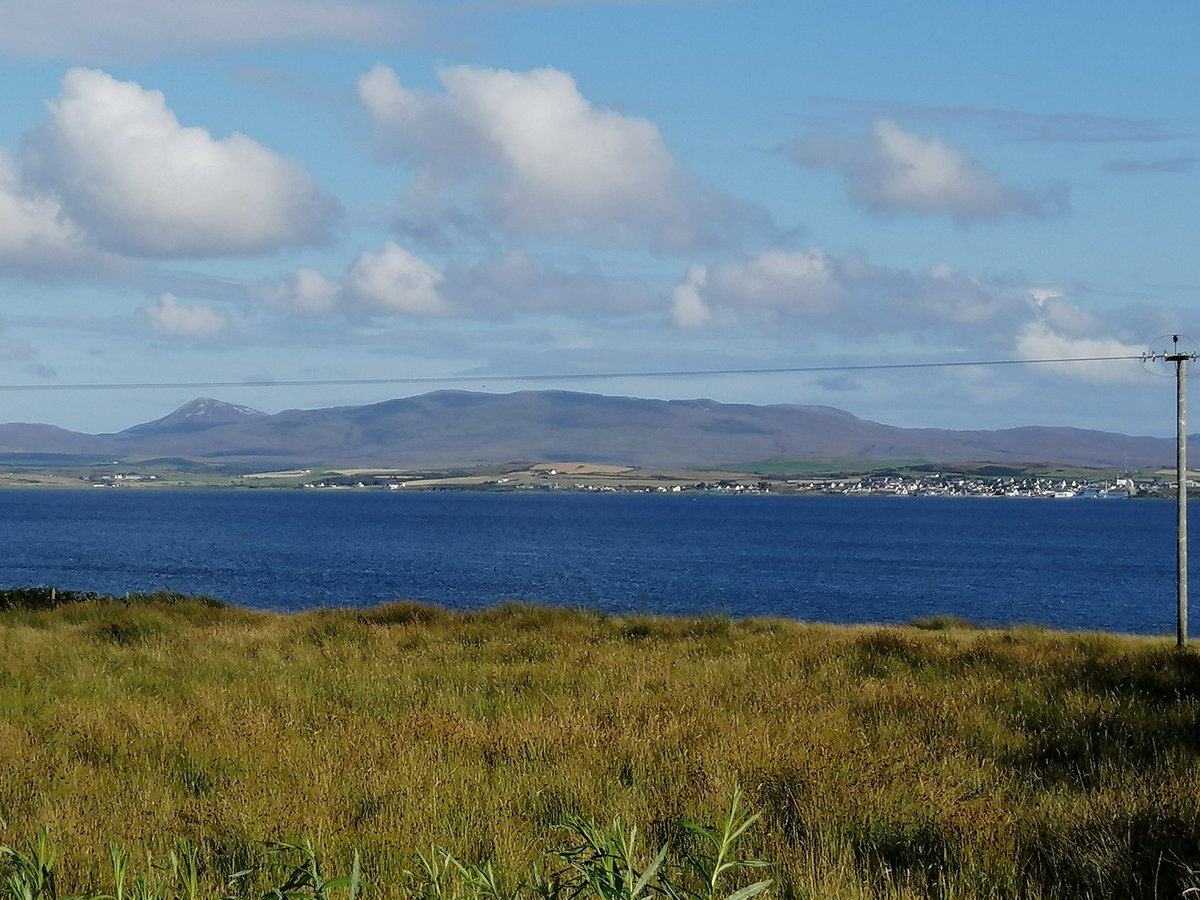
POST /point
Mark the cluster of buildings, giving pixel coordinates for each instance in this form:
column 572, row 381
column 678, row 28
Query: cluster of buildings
column 897, row 484
column 723, row 486
column 120, row 478
column 946, row 485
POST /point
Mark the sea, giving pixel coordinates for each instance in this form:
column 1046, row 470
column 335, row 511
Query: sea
column 1068, row 564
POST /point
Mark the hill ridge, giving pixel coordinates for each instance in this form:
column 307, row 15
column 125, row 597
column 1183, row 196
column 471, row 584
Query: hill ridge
column 454, row 427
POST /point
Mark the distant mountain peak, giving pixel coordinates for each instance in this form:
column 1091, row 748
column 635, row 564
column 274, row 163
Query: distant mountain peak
column 197, row 415
column 208, row 408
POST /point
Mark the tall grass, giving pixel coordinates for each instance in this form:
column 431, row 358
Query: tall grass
column 602, row 863
column 884, row 762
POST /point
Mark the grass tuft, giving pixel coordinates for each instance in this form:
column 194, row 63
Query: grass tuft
column 943, row 622
column 405, row 612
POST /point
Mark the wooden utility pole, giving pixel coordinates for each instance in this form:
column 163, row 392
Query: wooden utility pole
column 1181, row 535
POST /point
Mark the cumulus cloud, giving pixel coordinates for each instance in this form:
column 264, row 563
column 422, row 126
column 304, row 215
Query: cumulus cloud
column 114, row 177
column 541, row 159
column 392, row 282
column 831, row 300
column 804, row 284
column 38, row 238
column 168, row 318
column 307, row 294
column 125, row 171
column 846, row 297
column 947, row 296
column 33, row 229
column 688, row 306
column 893, row 170
column 396, row 282
column 1056, row 310
column 800, row 284
column 135, row 30
column 1039, row 340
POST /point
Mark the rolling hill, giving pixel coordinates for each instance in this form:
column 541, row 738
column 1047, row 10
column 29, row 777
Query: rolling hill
column 465, row 428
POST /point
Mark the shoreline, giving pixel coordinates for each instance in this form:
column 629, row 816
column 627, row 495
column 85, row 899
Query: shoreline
column 950, row 482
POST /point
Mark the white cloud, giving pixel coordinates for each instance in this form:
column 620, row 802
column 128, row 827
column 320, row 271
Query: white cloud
column 307, row 293
column 946, row 295
column 688, row 306
column 541, row 159
column 804, row 284
column 895, row 170
column 1063, row 316
column 395, row 282
column 1038, row 340
column 36, row 235
column 168, row 318
column 124, row 30
column 141, row 184
column 927, row 174
column 847, row 298
column 31, row 226
column 392, row 282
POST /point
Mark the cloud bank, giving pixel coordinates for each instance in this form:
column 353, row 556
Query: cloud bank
column 821, row 298
column 395, row 282
column 847, row 296
column 138, row 30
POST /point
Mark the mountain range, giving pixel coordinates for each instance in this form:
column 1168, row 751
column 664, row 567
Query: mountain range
column 462, row 428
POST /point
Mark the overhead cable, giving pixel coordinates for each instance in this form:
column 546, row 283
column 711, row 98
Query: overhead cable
column 560, row 376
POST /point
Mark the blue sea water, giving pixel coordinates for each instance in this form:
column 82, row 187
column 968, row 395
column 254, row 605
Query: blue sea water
column 1073, row 564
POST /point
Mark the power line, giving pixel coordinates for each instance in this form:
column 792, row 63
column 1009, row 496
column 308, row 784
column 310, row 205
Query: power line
column 574, row 376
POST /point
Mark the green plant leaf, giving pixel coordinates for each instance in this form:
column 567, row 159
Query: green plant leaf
column 752, row 890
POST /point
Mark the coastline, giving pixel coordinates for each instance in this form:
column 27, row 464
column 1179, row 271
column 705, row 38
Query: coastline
column 922, row 480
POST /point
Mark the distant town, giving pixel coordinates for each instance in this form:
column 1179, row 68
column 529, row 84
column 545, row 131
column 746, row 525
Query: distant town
column 596, row 478
column 939, row 485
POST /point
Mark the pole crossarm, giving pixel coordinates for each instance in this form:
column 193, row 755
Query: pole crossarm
column 1168, row 357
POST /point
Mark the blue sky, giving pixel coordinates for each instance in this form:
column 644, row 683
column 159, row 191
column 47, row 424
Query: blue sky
column 360, row 190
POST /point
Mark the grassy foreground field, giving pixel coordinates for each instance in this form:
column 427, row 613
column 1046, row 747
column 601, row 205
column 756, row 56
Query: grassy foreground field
column 885, row 762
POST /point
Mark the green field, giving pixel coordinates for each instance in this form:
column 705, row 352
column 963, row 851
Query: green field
column 885, row 762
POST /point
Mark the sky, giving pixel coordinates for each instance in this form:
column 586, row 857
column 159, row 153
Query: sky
column 312, row 203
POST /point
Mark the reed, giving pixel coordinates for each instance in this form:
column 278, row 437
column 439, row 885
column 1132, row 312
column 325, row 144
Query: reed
column 883, row 762
column 602, row 862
